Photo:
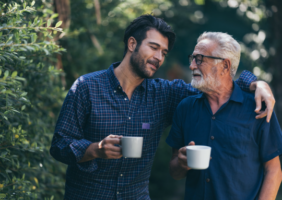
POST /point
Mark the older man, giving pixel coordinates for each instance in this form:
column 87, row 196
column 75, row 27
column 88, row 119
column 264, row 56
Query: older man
column 244, row 161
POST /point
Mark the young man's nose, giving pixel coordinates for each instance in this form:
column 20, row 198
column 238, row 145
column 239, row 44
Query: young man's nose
column 159, row 56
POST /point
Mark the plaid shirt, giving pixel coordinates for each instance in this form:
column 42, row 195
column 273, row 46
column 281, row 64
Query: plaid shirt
column 96, row 107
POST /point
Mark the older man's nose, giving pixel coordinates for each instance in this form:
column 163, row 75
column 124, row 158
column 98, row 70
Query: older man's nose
column 193, row 65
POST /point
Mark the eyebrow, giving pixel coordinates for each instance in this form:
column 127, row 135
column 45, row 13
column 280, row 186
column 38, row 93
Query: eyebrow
column 158, row 46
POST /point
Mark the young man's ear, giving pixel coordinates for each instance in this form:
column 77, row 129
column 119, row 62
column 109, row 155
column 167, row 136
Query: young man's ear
column 131, row 44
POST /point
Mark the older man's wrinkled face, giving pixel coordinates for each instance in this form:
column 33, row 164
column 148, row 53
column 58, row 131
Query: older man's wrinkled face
column 204, row 76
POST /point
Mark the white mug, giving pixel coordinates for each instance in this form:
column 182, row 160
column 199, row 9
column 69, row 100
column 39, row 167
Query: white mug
column 198, row 156
column 131, row 147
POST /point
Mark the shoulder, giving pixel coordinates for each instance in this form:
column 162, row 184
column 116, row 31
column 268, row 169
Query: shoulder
column 190, row 100
column 249, row 100
column 186, row 105
column 84, row 82
column 162, row 83
column 98, row 75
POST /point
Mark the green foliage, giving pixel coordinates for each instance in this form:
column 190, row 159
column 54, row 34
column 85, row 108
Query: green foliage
column 30, row 98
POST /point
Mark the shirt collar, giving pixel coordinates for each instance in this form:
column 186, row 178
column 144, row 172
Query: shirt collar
column 113, row 79
column 237, row 94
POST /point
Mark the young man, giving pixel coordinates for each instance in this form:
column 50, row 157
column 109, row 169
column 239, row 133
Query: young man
column 103, row 106
column 244, row 161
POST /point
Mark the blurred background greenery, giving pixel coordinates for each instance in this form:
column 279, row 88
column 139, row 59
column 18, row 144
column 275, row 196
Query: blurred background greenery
column 92, row 39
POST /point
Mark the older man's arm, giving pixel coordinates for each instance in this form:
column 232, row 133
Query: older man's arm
column 272, row 179
column 263, row 93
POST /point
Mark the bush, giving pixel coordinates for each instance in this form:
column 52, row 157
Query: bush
column 30, row 98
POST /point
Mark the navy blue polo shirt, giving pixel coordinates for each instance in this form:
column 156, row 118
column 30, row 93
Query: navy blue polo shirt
column 240, row 145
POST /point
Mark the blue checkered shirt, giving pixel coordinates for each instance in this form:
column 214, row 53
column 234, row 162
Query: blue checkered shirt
column 96, row 107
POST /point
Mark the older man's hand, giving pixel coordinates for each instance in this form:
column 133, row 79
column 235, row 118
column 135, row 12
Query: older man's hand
column 263, row 93
column 182, row 159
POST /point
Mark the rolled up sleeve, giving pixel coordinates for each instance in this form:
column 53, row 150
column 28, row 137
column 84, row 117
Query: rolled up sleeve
column 270, row 139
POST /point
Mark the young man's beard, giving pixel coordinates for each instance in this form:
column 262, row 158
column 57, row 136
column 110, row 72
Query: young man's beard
column 138, row 65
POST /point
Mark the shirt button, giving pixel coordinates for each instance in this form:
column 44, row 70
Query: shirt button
column 119, row 87
column 115, row 91
column 208, row 180
column 117, row 192
column 212, row 137
column 121, row 174
column 125, row 99
column 129, row 117
column 210, row 158
column 213, row 117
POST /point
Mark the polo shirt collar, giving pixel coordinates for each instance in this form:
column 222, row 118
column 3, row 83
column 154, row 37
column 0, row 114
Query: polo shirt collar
column 237, row 94
column 113, row 79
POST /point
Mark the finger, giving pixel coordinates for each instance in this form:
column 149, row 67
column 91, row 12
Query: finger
column 262, row 114
column 182, row 157
column 115, row 149
column 270, row 102
column 112, row 141
column 114, row 155
column 258, row 103
column 114, row 136
column 269, row 114
column 191, row 143
column 182, row 151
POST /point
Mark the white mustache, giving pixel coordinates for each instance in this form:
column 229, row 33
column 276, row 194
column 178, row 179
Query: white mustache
column 197, row 72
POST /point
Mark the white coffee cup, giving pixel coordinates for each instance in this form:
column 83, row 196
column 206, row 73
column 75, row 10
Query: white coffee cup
column 131, row 147
column 198, row 156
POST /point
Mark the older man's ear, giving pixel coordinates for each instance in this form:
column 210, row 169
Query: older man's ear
column 226, row 66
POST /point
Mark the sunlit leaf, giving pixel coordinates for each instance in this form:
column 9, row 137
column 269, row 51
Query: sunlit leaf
column 58, row 24
column 48, row 22
column 14, row 74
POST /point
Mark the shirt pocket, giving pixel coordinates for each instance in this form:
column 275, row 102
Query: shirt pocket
column 234, row 141
column 150, row 139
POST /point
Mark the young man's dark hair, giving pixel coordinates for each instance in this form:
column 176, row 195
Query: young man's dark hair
column 139, row 27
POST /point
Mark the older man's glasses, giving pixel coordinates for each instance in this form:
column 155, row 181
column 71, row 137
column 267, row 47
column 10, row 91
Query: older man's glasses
column 199, row 58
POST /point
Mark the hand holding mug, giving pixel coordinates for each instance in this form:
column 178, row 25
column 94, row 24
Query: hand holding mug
column 108, row 147
column 182, row 158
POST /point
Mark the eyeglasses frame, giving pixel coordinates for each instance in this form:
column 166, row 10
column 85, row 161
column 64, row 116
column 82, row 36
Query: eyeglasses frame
column 194, row 57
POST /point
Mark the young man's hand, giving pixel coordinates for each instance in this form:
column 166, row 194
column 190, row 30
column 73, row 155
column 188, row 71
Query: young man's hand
column 263, row 93
column 108, row 148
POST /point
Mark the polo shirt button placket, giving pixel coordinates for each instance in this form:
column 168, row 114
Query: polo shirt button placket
column 213, row 117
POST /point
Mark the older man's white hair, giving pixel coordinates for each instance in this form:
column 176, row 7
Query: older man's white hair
column 228, row 47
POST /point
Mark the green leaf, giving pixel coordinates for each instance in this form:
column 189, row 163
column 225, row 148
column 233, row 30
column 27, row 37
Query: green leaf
column 23, row 107
column 23, row 94
column 32, row 3
column 8, row 171
column 54, row 16
column 14, row 74
column 48, row 22
column 2, row 195
column 58, row 24
column 0, row 72
column 33, row 37
column 2, row 58
column 6, row 74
